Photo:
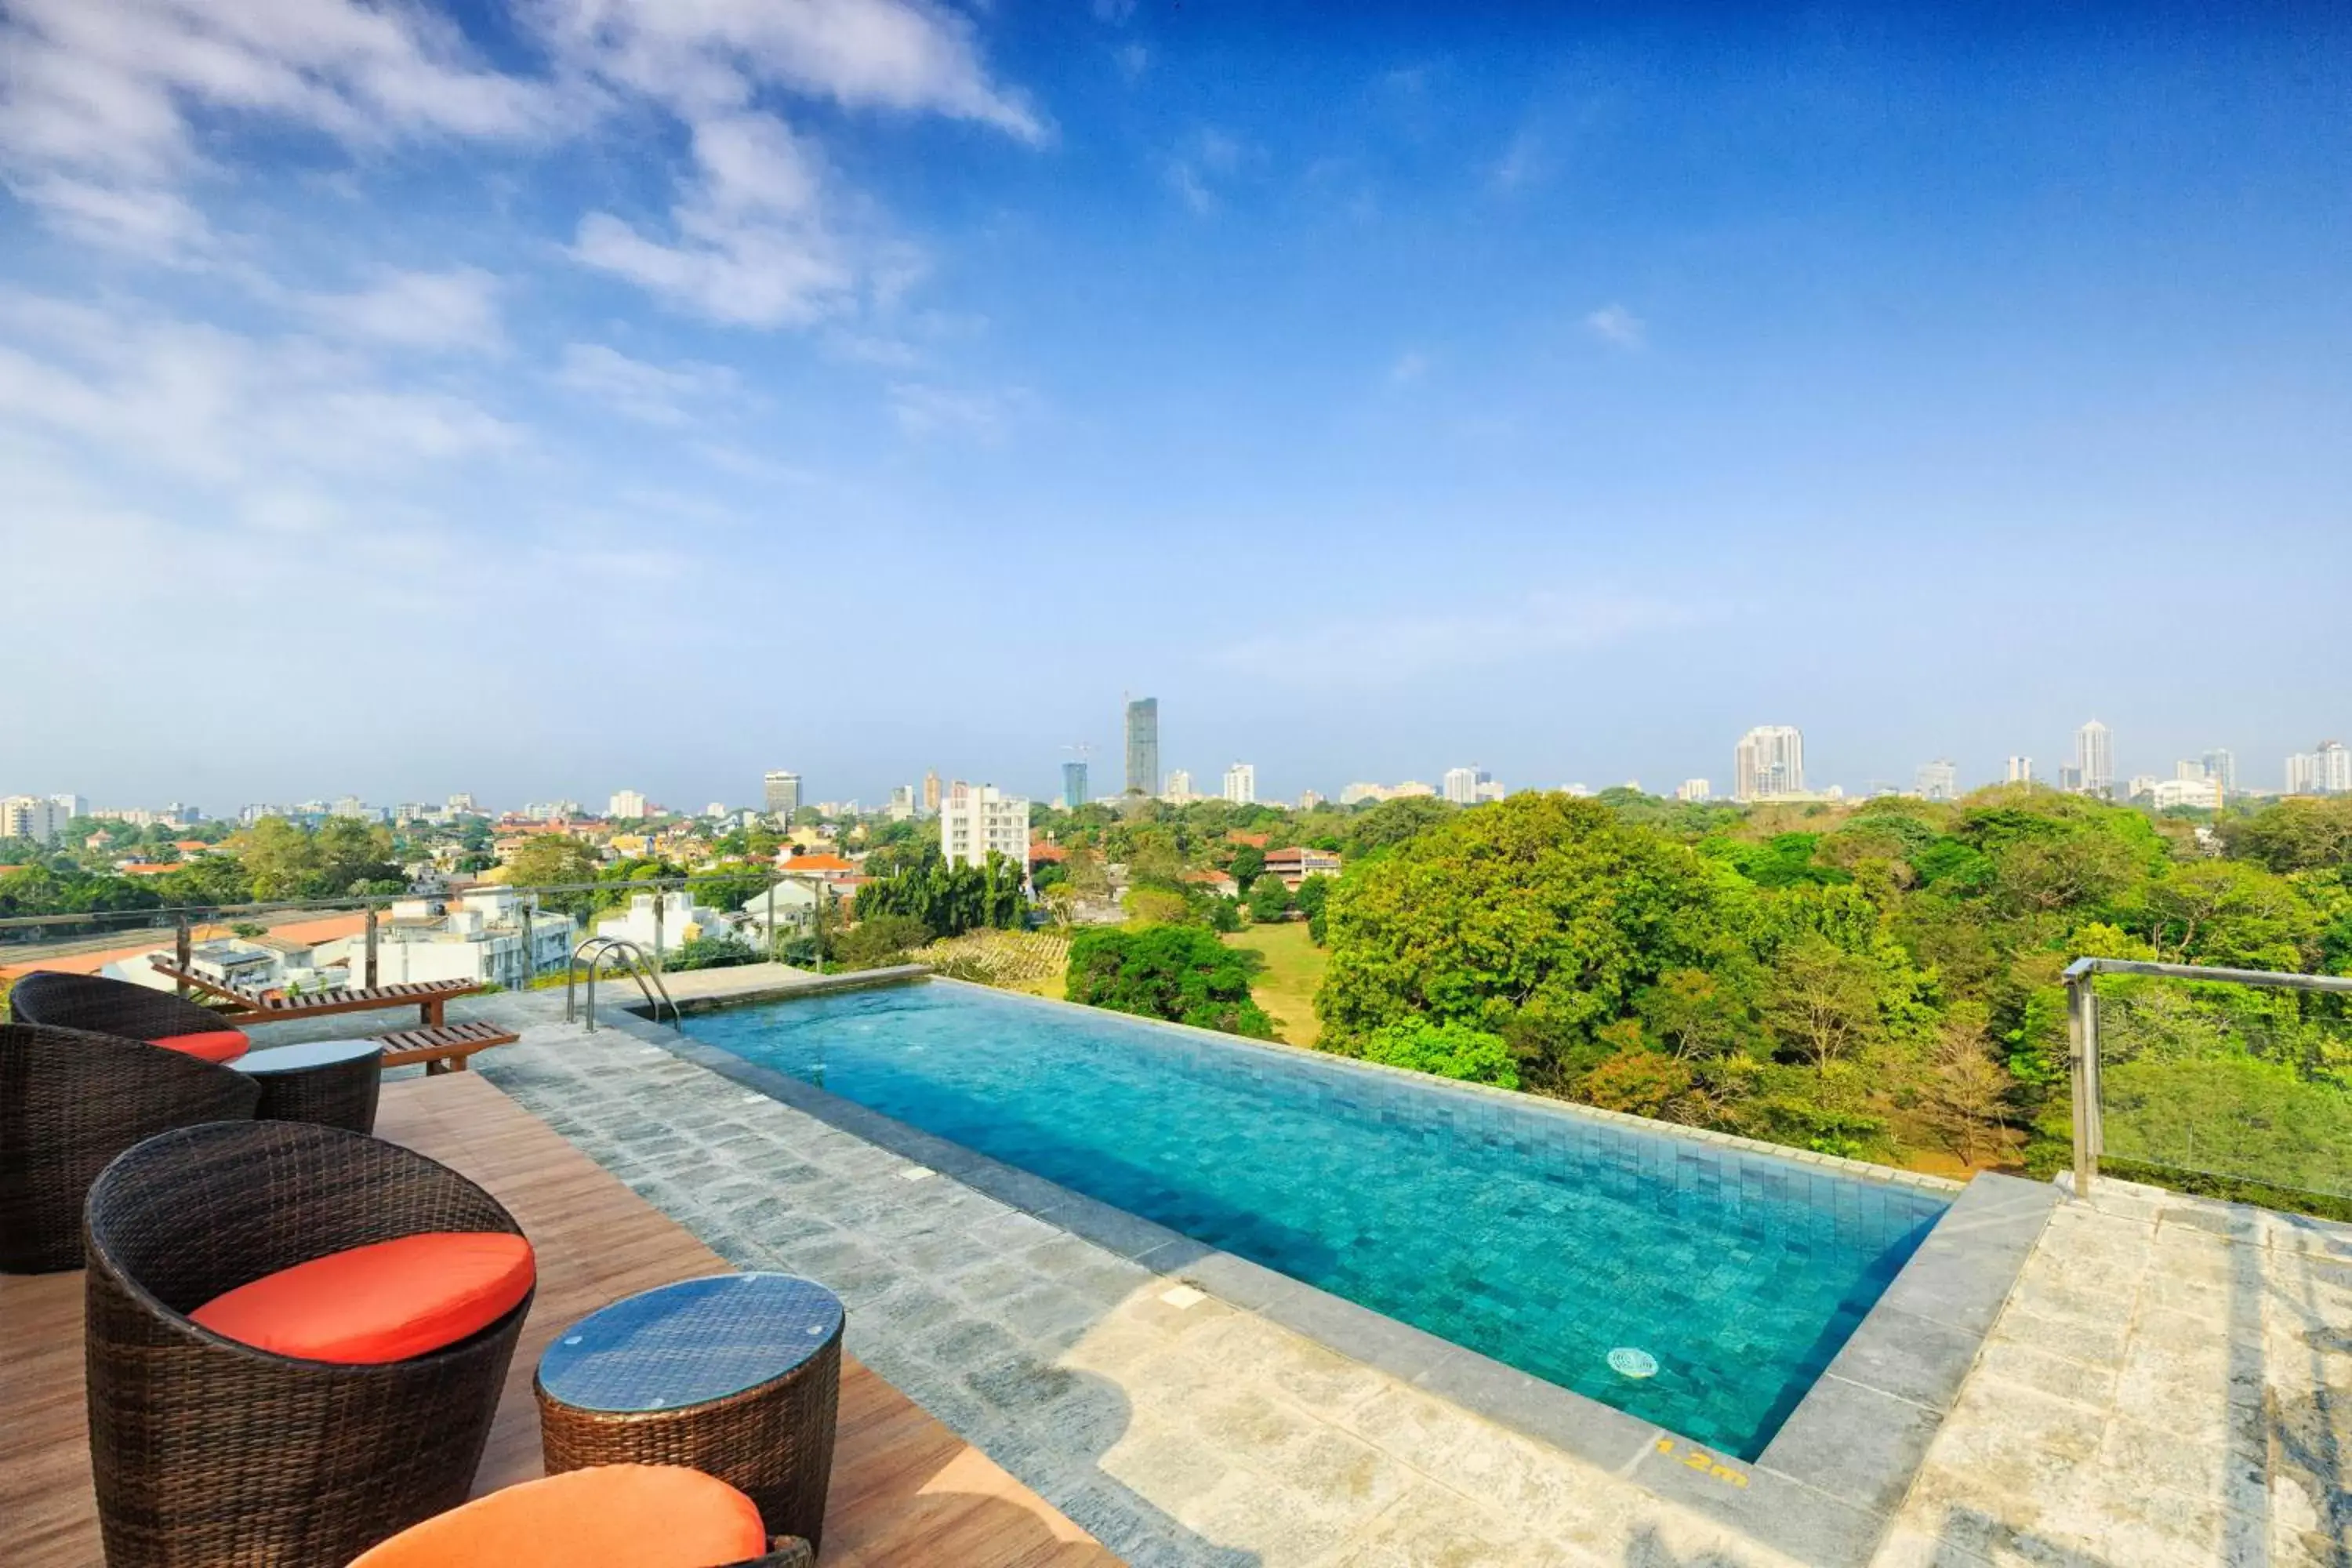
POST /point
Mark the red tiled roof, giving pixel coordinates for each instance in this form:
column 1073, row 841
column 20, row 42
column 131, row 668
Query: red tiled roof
column 1255, row 840
column 147, row 868
column 819, row 863
column 1041, row 851
column 313, row 931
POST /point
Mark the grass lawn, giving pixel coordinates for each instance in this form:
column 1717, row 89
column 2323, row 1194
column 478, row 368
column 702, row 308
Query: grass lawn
column 1294, row 968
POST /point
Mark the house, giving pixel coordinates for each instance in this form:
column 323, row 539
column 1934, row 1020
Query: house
column 660, row 922
column 1295, row 865
column 1221, row 883
column 489, row 937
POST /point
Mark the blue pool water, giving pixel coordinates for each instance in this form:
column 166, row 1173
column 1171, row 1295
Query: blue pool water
column 1544, row 1240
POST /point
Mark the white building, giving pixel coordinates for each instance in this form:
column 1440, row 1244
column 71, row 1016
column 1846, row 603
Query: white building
column 626, row 805
column 2325, row 770
column 32, row 816
column 791, row 911
column 2141, row 783
column 1309, row 799
column 1939, row 780
column 902, row 803
column 1357, row 793
column 2221, row 765
column 779, row 791
column 482, row 937
column 1693, row 790
column 1241, row 783
column 975, row 820
column 69, row 807
column 2095, row 755
column 1769, row 763
column 1460, row 786
column 1180, row 787
column 2165, row 794
column 679, row 920
column 462, row 804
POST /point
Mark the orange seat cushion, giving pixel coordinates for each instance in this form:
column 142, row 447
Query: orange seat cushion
column 612, row 1516
column 386, row 1302
column 212, row 1045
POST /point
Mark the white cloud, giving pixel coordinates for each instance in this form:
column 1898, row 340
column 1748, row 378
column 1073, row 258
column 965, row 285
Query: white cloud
column 1521, row 164
column 220, row 408
column 1205, row 158
column 98, row 101
column 1410, row 367
column 453, row 310
column 1118, row 13
column 923, row 409
column 1377, row 649
column 658, row 395
column 1132, row 59
column 1618, row 327
column 711, row 55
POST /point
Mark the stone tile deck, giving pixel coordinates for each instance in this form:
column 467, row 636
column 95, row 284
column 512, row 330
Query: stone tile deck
column 2169, row 1383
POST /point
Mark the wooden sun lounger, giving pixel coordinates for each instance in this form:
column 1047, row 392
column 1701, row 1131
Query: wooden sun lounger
column 442, row 1048
column 429, row 997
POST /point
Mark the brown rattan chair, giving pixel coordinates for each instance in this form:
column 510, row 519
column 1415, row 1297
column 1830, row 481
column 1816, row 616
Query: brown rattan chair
column 109, row 1007
column 206, row 1450
column 70, row 1101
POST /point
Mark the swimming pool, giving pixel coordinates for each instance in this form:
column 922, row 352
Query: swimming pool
column 1553, row 1242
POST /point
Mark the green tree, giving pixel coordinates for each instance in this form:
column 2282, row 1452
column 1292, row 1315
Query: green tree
column 1821, row 1003
column 1180, row 972
column 1269, row 899
column 1538, row 920
column 1314, row 895
column 878, row 942
column 1446, row 1050
column 1247, row 864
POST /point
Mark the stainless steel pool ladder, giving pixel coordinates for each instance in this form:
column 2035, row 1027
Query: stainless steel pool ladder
column 594, row 952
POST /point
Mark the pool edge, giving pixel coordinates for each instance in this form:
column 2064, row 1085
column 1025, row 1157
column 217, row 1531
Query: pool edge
column 1858, row 1437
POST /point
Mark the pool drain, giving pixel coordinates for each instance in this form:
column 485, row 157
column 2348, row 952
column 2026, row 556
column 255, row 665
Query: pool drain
column 1627, row 1362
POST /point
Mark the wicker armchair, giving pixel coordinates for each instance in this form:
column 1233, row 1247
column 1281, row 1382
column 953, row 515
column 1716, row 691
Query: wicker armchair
column 205, row 1450
column 109, row 1007
column 69, row 1102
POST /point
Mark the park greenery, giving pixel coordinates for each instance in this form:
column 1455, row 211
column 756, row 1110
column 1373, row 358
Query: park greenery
column 1180, row 972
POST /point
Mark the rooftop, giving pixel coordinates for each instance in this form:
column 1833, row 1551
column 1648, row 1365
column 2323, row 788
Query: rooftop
column 2168, row 1381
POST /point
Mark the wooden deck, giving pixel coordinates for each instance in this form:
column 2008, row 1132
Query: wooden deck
column 905, row 1488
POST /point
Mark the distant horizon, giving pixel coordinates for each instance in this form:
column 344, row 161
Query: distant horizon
column 2250, row 774
column 560, row 397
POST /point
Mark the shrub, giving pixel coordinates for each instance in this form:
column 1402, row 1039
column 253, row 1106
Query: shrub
column 1182, row 973
column 878, row 942
column 1445, row 1050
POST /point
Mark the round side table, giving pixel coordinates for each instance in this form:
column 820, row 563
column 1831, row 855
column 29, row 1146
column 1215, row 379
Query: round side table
column 333, row 1083
column 738, row 1376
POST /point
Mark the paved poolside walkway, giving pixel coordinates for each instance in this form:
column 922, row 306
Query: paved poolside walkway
column 2169, row 1384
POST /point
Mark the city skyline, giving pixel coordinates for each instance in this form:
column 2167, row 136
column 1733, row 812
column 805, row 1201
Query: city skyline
column 2325, row 767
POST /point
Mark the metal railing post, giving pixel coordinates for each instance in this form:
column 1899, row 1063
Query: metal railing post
column 772, row 922
column 184, row 948
column 529, row 949
column 2096, row 1100
column 659, row 896
column 2078, row 1062
column 370, row 982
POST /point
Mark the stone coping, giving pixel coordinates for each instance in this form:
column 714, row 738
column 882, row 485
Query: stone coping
column 1824, row 1490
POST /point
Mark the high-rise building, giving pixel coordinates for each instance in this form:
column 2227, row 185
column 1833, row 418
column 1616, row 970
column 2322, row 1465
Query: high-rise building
column 1309, row 799
column 2327, row 769
column 2221, row 767
column 31, row 816
column 1460, row 786
column 1693, row 790
column 974, row 820
column 2094, row 757
column 781, row 794
column 1143, row 746
column 626, row 805
column 1939, row 780
column 69, row 807
column 1769, row 762
column 2070, row 777
column 902, row 802
column 1180, row 787
column 1073, row 785
column 1241, row 783
column 461, row 805
column 2019, row 770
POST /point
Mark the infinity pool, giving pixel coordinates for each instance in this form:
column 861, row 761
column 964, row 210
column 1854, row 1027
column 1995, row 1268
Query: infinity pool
column 1541, row 1238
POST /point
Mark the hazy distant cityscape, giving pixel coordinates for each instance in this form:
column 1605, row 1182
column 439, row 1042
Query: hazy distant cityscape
column 1767, row 766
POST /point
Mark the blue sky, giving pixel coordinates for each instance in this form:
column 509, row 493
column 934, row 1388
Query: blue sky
column 588, row 393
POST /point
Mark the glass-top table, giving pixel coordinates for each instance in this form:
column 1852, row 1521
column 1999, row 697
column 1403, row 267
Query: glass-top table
column 737, row 1374
column 331, row 1083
